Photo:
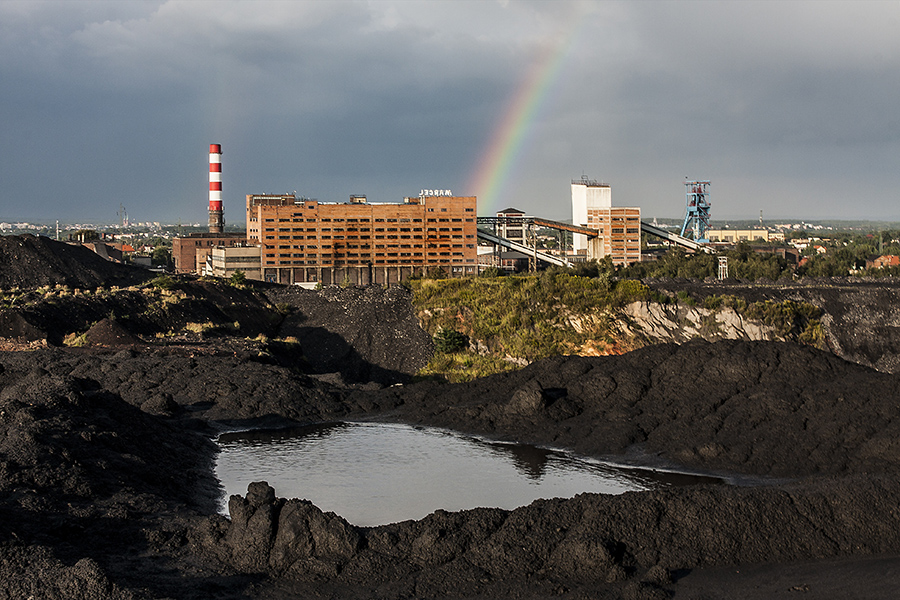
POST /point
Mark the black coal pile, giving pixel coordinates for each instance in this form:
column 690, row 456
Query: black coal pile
column 109, row 332
column 763, row 408
column 350, row 336
column 105, row 477
column 365, row 334
column 84, row 481
column 28, row 261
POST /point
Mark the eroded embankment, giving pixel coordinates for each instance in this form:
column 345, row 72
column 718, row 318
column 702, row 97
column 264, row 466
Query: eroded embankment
column 860, row 316
column 98, row 495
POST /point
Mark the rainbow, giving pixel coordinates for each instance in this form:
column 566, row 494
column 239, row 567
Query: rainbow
column 496, row 164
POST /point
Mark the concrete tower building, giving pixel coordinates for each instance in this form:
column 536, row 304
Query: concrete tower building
column 619, row 228
column 587, row 194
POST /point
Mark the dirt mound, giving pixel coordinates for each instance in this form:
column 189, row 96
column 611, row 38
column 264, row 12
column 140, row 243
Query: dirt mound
column 597, row 544
column 365, row 334
column 14, row 326
column 83, row 480
column 109, row 332
column 356, row 335
column 225, row 388
column 760, row 408
column 34, row 572
column 28, row 261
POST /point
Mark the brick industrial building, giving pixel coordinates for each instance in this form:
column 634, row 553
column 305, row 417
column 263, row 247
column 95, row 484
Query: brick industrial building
column 190, row 253
column 304, row 241
column 620, row 233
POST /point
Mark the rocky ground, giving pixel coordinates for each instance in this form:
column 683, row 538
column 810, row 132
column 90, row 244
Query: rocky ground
column 107, row 491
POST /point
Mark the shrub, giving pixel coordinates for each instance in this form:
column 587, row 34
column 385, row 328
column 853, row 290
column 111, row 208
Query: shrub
column 436, row 273
column 629, row 290
column 813, row 335
column 460, row 367
column 684, row 297
column 449, row 340
column 238, row 279
column 75, row 340
column 163, row 282
column 713, row 302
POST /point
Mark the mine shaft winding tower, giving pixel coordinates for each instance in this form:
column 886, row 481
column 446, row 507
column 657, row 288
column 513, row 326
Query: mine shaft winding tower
column 696, row 217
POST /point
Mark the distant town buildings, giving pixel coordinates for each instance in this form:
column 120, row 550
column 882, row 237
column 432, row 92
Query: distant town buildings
column 880, row 262
column 738, row 235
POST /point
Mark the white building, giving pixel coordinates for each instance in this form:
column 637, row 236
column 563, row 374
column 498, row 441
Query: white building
column 587, row 194
column 618, row 228
column 223, row 261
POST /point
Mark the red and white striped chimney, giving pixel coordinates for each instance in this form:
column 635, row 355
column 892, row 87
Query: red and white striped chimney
column 216, row 218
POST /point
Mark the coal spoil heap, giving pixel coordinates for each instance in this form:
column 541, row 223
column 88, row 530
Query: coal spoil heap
column 105, row 477
column 29, row 261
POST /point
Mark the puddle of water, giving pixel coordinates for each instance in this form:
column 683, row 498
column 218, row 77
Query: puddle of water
column 375, row 473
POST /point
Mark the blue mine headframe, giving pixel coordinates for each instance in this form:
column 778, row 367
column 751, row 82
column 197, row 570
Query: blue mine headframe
column 696, row 217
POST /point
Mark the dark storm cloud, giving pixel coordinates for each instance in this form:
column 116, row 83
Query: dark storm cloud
column 787, row 107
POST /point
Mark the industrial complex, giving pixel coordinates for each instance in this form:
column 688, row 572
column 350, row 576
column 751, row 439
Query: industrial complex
column 294, row 240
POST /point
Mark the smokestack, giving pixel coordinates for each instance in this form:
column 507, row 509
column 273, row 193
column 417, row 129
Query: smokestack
column 216, row 219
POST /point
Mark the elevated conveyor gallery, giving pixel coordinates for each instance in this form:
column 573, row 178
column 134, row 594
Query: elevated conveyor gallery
column 674, row 238
column 494, row 238
column 511, row 245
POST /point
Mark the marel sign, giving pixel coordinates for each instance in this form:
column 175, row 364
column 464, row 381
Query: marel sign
column 427, row 193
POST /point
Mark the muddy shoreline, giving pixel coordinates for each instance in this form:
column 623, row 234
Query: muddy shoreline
column 108, row 490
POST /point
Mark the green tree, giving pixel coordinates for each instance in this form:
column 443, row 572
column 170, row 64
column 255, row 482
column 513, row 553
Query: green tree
column 238, row 279
column 161, row 256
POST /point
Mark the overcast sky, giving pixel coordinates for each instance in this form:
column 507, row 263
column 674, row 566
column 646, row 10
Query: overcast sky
column 792, row 108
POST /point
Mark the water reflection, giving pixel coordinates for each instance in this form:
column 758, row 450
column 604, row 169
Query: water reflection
column 373, row 473
column 531, row 461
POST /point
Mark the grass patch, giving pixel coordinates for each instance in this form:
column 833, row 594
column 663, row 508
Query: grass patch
column 459, row 367
column 526, row 318
column 75, row 340
column 163, row 282
column 200, row 328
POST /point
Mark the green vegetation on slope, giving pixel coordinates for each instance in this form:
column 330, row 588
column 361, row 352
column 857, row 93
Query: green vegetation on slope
column 512, row 321
column 515, row 320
